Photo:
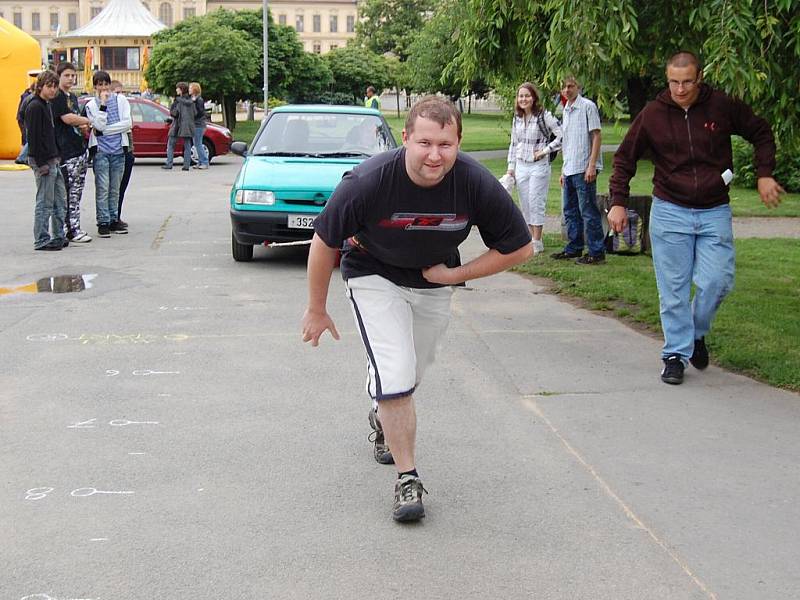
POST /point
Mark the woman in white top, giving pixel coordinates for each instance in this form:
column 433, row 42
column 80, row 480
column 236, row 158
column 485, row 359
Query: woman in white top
column 528, row 156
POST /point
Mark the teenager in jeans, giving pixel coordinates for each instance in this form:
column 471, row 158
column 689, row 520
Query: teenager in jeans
column 43, row 158
column 111, row 117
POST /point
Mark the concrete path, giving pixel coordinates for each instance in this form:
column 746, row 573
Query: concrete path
column 165, row 434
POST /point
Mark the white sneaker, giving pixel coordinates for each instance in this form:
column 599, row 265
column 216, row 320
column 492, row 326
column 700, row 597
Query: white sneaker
column 538, row 246
column 81, row 238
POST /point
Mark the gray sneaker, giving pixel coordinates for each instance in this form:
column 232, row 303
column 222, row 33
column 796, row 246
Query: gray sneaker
column 408, row 499
column 380, row 449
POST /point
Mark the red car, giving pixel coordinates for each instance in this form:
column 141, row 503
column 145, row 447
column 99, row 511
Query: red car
column 151, row 129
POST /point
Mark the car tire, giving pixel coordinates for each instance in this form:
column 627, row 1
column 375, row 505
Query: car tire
column 241, row 252
column 211, row 151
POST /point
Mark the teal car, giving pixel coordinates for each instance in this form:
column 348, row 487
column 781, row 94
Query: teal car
column 296, row 160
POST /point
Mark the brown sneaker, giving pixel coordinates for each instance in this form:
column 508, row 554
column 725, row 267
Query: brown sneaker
column 408, row 492
column 380, row 450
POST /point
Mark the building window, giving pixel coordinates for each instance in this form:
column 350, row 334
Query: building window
column 351, row 23
column 35, row 25
column 53, row 21
column 317, row 48
column 188, row 13
column 72, row 20
column 281, row 19
column 119, row 59
column 165, row 14
column 299, row 24
column 95, row 10
column 334, row 24
column 317, row 23
column 18, row 20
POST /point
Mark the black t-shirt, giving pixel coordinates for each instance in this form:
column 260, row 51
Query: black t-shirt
column 394, row 228
column 70, row 141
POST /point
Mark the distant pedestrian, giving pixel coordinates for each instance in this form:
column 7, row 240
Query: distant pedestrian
column 43, row 158
column 25, row 97
column 111, row 121
column 529, row 156
column 72, row 145
column 130, row 159
column 195, row 92
column 686, row 132
column 582, row 161
column 371, row 100
column 183, row 112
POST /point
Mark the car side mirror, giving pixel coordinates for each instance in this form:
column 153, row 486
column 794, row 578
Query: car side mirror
column 239, row 148
column 168, row 120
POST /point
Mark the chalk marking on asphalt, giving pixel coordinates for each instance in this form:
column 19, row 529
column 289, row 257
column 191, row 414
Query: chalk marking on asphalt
column 162, row 231
column 532, row 405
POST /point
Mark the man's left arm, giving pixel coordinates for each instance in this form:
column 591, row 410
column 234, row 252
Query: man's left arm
column 757, row 131
column 124, row 124
column 488, row 263
column 593, row 124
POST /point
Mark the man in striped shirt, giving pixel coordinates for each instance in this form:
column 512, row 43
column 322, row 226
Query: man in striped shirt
column 111, row 116
column 580, row 148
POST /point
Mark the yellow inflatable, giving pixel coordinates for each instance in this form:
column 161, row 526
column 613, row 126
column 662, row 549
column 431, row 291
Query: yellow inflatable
column 19, row 53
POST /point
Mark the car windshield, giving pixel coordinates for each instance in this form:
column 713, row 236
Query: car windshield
column 323, row 135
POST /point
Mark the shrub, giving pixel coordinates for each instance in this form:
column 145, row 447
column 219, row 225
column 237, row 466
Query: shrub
column 787, row 169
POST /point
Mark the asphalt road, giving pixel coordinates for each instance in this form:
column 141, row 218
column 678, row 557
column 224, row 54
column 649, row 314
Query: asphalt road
column 165, row 434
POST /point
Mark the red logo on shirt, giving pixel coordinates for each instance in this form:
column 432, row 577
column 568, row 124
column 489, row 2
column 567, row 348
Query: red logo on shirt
column 425, row 221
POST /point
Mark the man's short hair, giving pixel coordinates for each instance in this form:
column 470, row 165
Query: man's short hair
column 436, row 109
column 684, row 58
column 116, row 84
column 64, row 66
column 45, row 79
column 100, row 77
column 183, row 87
column 370, row 89
column 570, row 79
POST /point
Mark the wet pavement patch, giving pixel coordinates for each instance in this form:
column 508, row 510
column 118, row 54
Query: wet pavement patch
column 56, row 284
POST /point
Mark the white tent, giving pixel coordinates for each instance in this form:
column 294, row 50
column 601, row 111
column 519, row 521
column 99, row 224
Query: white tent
column 122, row 18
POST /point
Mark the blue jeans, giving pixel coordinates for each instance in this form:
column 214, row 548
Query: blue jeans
column 202, row 156
column 579, row 203
column 108, row 170
column 690, row 245
column 187, row 151
column 51, row 205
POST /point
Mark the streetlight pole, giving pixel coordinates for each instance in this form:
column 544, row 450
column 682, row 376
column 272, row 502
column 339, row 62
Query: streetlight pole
column 266, row 57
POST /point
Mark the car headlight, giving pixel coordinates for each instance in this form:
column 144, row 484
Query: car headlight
column 254, row 197
column 226, row 132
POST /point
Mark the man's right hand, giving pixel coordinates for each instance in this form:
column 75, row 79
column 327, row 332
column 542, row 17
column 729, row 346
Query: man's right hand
column 314, row 325
column 618, row 218
column 44, row 170
column 104, row 96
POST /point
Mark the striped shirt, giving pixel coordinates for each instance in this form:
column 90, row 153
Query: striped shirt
column 532, row 134
column 111, row 144
column 580, row 119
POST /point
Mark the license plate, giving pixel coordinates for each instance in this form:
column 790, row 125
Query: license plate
column 302, row 221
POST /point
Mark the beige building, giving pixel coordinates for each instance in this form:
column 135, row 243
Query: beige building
column 321, row 24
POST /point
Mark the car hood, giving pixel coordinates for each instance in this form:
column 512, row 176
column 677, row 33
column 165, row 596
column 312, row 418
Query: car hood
column 279, row 173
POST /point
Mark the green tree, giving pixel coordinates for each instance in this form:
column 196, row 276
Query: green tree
column 220, row 57
column 434, row 49
column 391, row 25
column 313, row 81
column 618, row 48
column 354, row 68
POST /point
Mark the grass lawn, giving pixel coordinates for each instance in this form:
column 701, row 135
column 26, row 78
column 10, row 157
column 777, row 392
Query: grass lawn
column 757, row 330
column 744, row 202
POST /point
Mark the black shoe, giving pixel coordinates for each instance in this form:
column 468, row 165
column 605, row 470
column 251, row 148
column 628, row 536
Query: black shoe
column 591, row 260
column 185, row 169
column 65, row 243
column 117, row 228
column 408, row 499
column 49, row 247
column 122, row 224
column 563, row 255
column 699, row 358
column 673, row 370
column 167, row 167
column 103, row 231
column 380, row 450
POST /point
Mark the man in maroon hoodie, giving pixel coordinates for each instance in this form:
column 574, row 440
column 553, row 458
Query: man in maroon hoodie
column 687, row 131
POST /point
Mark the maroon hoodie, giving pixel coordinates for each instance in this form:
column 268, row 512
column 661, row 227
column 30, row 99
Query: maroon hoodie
column 691, row 148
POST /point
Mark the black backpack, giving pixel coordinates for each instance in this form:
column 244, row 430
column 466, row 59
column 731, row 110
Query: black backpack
column 547, row 134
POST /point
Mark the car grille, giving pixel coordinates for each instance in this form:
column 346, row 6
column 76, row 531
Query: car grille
column 300, row 202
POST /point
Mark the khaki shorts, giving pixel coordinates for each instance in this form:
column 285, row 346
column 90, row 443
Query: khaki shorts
column 401, row 328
